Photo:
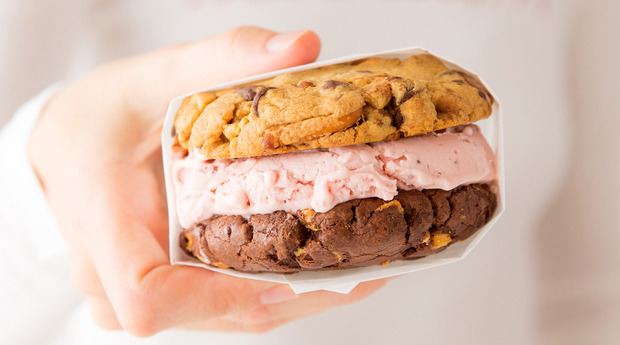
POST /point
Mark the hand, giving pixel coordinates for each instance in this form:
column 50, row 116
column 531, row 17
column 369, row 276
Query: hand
column 96, row 151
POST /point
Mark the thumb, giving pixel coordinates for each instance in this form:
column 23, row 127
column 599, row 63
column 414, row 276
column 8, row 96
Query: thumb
column 154, row 78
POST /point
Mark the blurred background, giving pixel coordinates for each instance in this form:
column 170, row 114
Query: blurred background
column 549, row 270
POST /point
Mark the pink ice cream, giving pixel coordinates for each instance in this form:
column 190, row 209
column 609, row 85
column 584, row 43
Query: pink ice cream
column 320, row 179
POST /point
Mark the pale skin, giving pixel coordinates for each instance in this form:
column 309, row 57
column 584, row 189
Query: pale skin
column 96, row 151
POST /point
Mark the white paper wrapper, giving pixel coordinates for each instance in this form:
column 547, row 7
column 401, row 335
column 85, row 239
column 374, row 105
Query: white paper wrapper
column 345, row 280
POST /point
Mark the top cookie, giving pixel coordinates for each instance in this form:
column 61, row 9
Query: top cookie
column 352, row 103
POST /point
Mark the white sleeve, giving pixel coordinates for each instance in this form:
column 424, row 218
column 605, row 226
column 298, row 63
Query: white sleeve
column 23, row 207
column 35, row 291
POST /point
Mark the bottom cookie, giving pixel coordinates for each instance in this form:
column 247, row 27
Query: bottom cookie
column 355, row 233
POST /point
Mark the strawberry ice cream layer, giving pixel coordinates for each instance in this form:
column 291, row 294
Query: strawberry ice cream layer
column 320, row 179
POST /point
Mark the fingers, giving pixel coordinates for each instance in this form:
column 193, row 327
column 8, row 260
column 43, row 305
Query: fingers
column 238, row 53
column 309, row 303
column 259, row 320
column 268, row 317
column 167, row 297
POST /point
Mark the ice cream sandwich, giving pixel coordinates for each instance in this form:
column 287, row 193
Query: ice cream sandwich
column 349, row 165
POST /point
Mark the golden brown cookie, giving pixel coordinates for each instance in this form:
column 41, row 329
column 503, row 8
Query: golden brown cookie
column 352, row 103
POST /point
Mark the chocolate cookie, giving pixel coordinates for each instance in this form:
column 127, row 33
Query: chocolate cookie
column 355, row 233
column 351, row 103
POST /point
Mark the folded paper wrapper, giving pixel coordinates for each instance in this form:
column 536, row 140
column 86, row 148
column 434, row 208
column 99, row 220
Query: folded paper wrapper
column 344, row 280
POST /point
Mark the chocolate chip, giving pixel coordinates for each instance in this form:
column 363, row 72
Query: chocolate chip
column 330, row 84
column 397, row 118
column 482, row 94
column 258, row 96
column 460, row 82
column 248, row 92
column 393, row 78
column 408, row 94
column 304, row 84
column 173, row 132
column 394, row 111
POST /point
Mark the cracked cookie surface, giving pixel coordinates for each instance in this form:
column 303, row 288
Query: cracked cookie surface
column 355, row 233
column 352, row 103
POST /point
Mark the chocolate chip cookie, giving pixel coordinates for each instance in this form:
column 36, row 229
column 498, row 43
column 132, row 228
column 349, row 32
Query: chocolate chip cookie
column 351, row 103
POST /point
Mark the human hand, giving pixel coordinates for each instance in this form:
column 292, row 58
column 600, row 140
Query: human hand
column 96, row 151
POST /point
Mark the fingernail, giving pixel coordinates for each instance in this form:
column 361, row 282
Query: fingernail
column 278, row 294
column 281, row 42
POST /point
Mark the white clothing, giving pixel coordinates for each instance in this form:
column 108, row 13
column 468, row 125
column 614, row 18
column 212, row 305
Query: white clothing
column 547, row 273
